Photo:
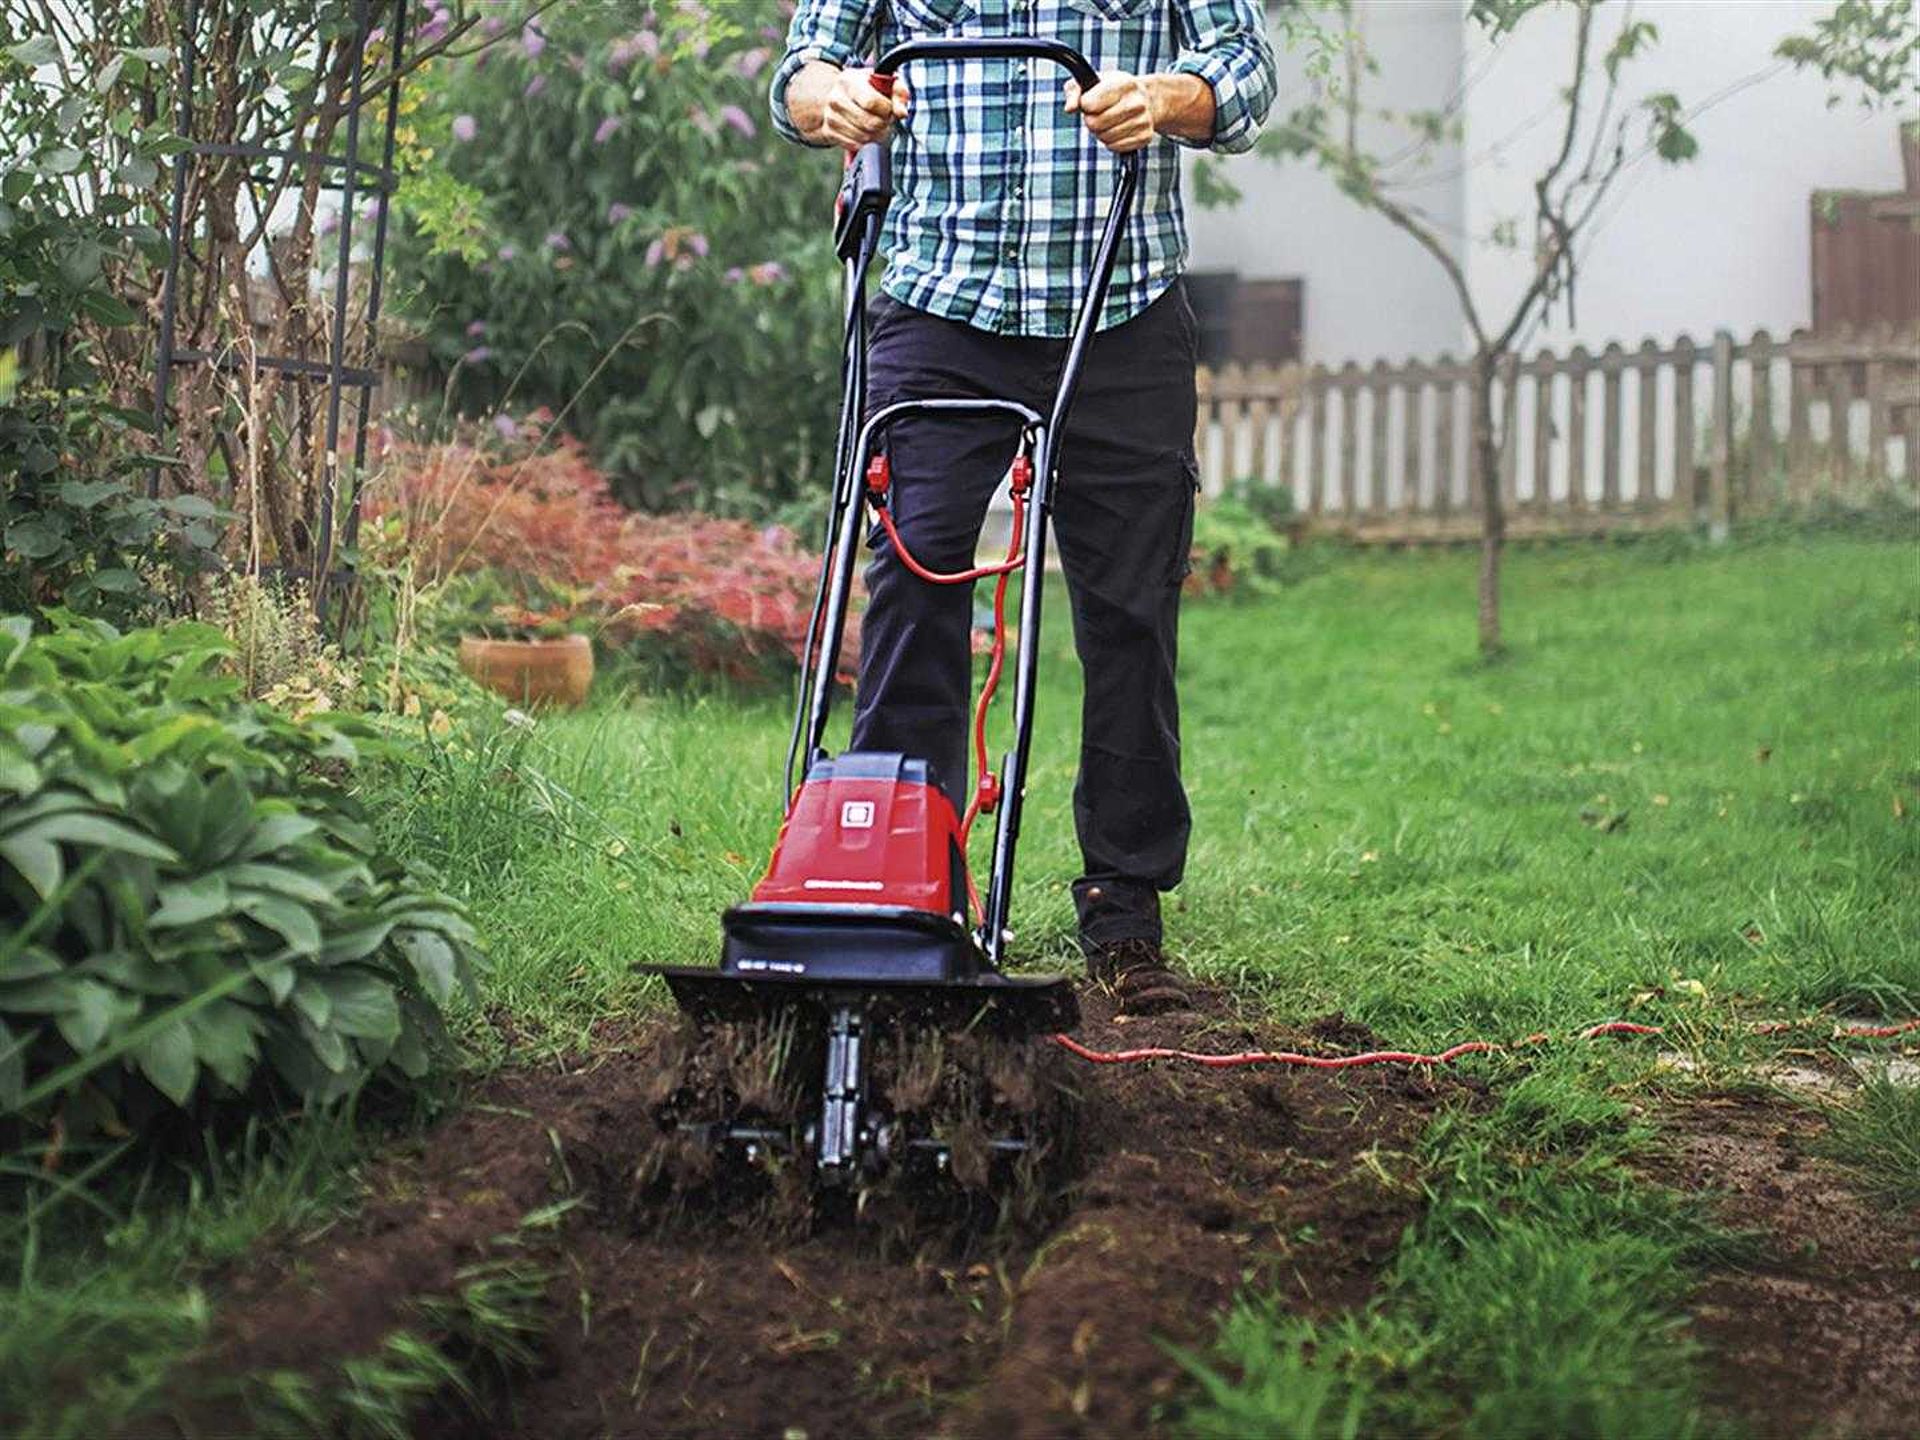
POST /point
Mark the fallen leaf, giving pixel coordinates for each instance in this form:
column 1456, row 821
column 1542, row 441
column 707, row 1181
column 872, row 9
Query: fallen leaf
column 1662, row 801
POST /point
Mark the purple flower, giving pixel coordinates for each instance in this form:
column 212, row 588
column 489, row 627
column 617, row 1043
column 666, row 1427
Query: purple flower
column 620, row 55
column 492, row 26
column 557, row 240
column 752, row 63
column 532, row 41
column 476, row 329
column 697, row 243
column 376, row 35
column 702, row 121
column 769, row 32
column 509, row 252
column 655, row 251
column 534, row 87
column 478, row 355
column 505, row 426
column 768, row 272
column 618, row 212
column 465, row 127
column 736, row 118
column 606, row 129
column 434, row 30
column 648, row 44
column 734, row 275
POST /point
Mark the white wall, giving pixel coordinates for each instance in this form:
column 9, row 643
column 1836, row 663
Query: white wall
column 1717, row 242
column 1369, row 289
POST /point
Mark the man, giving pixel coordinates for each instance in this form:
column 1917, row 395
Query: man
column 1001, row 186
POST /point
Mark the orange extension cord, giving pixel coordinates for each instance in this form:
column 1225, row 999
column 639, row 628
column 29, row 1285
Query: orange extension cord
column 1445, row 1057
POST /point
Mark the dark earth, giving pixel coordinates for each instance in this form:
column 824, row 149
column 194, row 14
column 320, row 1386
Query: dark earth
column 1190, row 1184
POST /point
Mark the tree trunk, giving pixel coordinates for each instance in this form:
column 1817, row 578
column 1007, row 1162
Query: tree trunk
column 1486, row 481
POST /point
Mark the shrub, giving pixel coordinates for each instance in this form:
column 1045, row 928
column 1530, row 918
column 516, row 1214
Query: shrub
column 76, row 525
column 506, row 536
column 190, row 902
column 651, row 248
column 1238, row 549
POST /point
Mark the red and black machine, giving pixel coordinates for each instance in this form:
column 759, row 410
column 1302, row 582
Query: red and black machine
column 867, row 917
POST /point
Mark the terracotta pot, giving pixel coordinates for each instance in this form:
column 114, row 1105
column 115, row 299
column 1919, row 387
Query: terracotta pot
column 531, row 672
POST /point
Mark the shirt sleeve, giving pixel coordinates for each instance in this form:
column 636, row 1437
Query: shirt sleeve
column 1225, row 43
column 837, row 31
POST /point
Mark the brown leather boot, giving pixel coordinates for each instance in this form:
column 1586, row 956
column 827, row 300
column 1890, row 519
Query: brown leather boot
column 1138, row 974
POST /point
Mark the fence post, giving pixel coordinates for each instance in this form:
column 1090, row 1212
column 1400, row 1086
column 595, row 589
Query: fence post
column 1719, row 492
column 1507, row 390
column 1444, row 375
column 1313, row 455
column 1646, row 464
column 1840, row 423
column 1612, row 361
column 1380, row 389
column 1686, row 499
column 1799, row 419
column 1290, row 384
column 1413, row 461
column 1578, row 368
column 1543, row 372
column 1879, row 344
column 1759, row 479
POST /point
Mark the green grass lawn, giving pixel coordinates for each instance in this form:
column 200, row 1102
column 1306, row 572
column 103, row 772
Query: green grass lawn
column 1685, row 795
column 1683, row 789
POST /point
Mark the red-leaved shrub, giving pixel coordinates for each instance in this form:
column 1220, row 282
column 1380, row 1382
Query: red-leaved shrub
column 715, row 597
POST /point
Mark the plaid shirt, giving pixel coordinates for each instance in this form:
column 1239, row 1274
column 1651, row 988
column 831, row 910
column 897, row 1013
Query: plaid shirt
column 999, row 195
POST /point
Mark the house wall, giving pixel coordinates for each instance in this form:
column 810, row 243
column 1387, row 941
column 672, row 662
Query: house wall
column 1369, row 289
column 1720, row 242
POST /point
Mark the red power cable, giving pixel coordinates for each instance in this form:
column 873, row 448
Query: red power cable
column 988, row 784
column 1398, row 1057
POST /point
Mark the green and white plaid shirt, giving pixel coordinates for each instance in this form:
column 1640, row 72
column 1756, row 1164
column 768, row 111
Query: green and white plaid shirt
column 999, row 195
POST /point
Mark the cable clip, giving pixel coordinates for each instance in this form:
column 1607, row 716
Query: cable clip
column 879, row 481
column 987, row 793
column 1021, row 479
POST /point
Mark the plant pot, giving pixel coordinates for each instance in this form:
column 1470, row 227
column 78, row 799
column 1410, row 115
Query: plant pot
column 531, row 672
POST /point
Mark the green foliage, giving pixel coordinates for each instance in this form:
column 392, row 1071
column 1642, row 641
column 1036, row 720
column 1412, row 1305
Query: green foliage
column 1869, row 46
column 1877, row 1136
column 1539, row 1296
column 191, row 899
column 1240, row 544
column 76, row 524
column 85, row 144
column 656, row 253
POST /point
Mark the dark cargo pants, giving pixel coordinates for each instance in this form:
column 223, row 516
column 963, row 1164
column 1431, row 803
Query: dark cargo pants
column 1123, row 524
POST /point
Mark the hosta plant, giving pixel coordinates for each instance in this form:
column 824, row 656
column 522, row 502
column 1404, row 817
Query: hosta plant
column 190, row 905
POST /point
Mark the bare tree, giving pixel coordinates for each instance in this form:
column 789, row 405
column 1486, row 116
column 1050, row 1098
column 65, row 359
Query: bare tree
column 1598, row 137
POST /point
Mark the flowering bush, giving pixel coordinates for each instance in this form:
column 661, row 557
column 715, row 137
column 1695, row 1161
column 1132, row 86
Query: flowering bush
column 650, row 260
column 507, row 533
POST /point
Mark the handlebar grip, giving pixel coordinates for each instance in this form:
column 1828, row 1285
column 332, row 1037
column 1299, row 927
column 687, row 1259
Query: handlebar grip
column 881, row 81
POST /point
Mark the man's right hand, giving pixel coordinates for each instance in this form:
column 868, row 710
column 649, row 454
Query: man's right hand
column 832, row 106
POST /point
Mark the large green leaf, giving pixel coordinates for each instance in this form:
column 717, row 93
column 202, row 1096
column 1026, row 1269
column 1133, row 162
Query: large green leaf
column 363, row 1004
column 93, row 1009
column 433, row 960
column 289, row 919
column 166, row 1058
column 189, row 902
column 224, row 1041
column 36, row 861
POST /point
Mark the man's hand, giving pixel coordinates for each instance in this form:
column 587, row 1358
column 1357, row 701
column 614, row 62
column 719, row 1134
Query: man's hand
column 1123, row 112
column 831, row 106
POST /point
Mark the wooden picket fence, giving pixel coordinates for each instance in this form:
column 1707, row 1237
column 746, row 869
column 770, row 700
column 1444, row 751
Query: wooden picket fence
column 1660, row 435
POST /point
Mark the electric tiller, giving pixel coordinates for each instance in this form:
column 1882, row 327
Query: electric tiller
column 858, row 942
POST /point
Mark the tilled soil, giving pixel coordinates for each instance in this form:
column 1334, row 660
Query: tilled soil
column 1819, row 1336
column 1190, row 1183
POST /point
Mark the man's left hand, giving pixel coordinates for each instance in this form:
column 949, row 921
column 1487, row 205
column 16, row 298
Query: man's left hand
column 1119, row 111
